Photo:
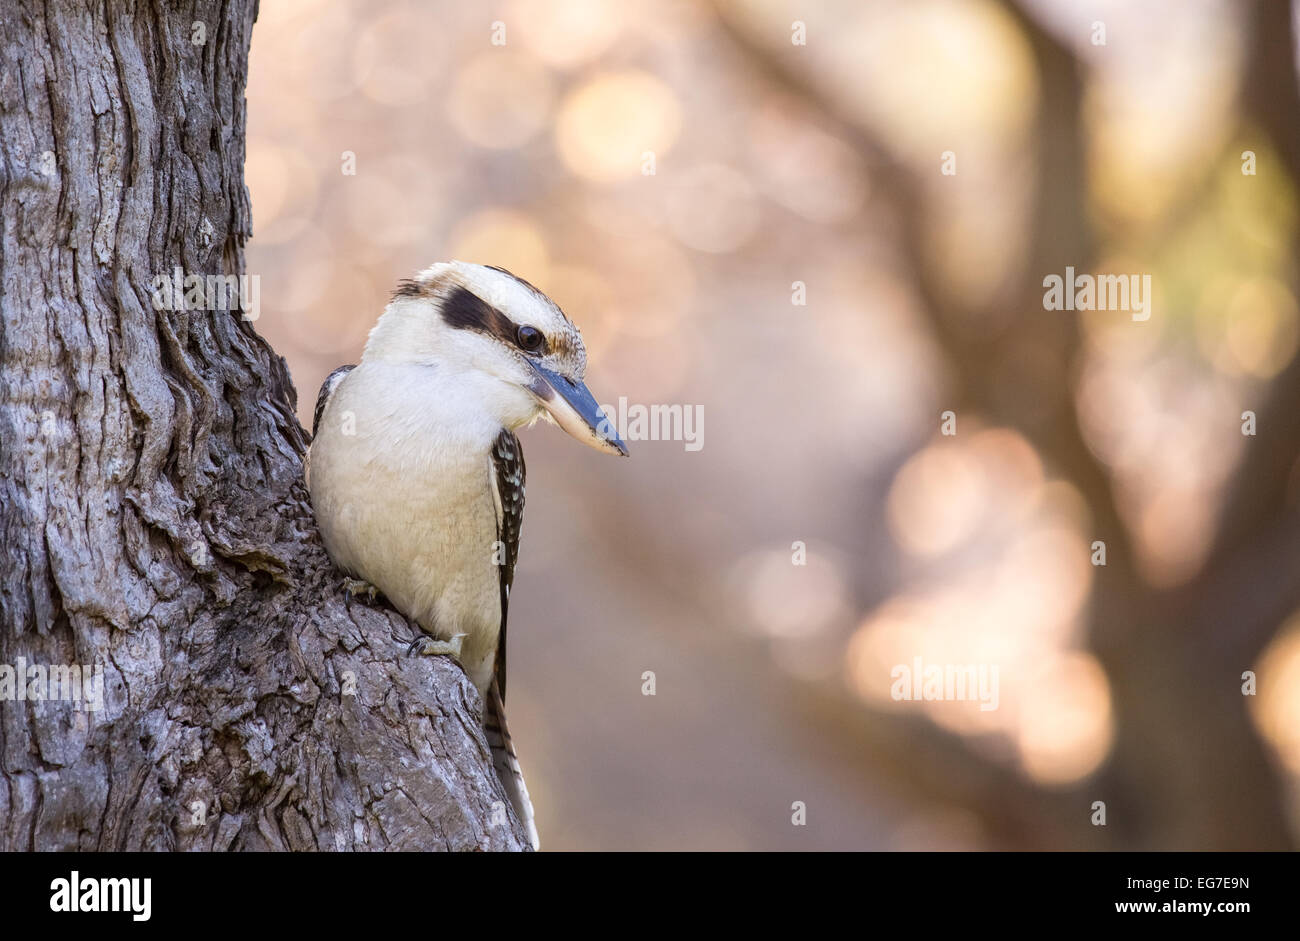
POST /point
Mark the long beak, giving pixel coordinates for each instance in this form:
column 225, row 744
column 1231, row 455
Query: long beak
column 573, row 408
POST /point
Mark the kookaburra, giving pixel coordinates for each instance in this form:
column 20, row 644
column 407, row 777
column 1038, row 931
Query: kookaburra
column 416, row 475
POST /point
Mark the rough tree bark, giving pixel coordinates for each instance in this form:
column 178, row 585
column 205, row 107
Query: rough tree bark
column 153, row 517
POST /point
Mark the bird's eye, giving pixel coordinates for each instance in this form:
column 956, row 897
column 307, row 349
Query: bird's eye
column 530, row 339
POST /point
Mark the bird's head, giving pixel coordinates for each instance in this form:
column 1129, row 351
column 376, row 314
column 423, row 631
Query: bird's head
column 506, row 344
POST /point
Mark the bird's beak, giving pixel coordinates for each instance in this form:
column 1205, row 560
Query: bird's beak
column 573, row 408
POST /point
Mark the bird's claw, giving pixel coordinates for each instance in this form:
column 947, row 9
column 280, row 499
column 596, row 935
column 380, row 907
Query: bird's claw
column 358, row 588
column 427, row 646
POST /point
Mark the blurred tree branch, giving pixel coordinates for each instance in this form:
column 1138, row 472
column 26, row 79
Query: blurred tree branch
column 1262, row 495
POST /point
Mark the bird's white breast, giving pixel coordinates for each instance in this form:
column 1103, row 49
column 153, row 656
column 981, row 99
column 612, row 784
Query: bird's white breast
column 401, row 482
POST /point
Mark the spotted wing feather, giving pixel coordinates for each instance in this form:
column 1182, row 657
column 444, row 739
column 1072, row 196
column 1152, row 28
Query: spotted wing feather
column 509, row 472
column 326, row 390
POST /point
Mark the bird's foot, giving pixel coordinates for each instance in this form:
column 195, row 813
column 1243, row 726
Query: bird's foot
column 359, row 588
column 426, row 646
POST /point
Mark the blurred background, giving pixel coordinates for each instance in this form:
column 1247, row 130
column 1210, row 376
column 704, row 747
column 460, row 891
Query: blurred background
column 745, row 207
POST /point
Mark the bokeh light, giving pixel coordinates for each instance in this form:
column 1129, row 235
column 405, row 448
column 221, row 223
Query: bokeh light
column 608, row 123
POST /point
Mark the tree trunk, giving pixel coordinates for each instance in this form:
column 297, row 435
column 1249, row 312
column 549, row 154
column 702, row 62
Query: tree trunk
column 153, row 517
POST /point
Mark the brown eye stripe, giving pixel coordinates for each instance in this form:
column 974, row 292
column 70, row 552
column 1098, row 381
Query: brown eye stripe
column 465, row 310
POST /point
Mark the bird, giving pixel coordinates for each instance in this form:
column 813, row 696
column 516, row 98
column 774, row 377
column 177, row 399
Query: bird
column 416, row 475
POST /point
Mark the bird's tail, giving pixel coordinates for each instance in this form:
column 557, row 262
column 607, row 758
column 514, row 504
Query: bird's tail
column 506, row 761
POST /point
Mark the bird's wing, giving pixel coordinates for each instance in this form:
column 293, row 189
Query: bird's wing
column 508, row 464
column 326, row 390
column 508, row 480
